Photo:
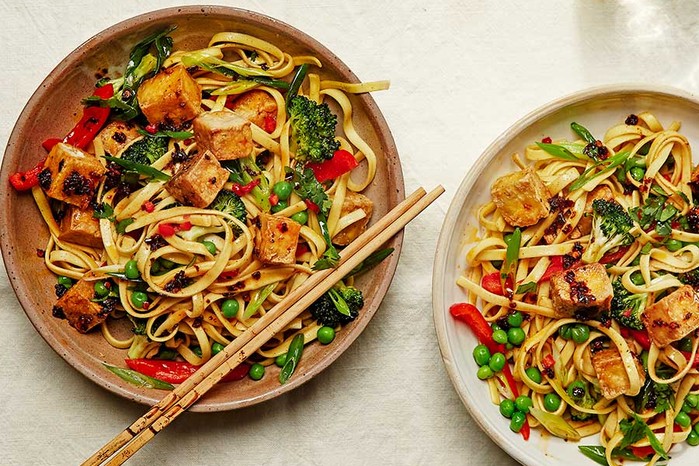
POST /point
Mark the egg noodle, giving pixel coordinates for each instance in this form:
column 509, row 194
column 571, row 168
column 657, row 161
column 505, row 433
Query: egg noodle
column 665, row 156
column 190, row 317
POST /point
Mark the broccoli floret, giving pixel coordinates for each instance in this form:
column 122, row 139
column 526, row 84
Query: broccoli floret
column 340, row 305
column 312, row 130
column 146, row 150
column 627, row 307
column 582, row 393
column 610, row 229
column 230, row 203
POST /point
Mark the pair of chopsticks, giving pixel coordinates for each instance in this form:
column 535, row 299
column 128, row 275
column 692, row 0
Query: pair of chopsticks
column 128, row 442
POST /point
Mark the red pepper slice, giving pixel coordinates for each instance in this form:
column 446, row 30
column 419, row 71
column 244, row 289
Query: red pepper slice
column 302, row 249
column 312, row 206
column 92, row 120
column 241, row 190
column 178, row 371
column 184, row 226
column 24, row 181
column 642, row 452
column 273, row 199
column 270, row 123
column 613, row 257
column 641, row 336
column 166, row 229
column 148, row 206
column 556, row 265
column 341, row 163
column 548, row 362
column 471, row 316
column 492, row 283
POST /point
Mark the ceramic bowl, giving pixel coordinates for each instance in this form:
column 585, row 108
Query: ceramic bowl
column 55, row 107
column 597, row 109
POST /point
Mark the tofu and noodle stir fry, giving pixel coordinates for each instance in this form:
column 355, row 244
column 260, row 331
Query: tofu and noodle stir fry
column 582, row 291
column 198, row 189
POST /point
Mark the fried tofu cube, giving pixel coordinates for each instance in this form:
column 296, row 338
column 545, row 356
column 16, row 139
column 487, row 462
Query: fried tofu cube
column 198, row 180
column 258, row 107
column 600, row 192
column 673, row 317
column 171, row 96
column 612, row 375
column 354, row 201
column 521, row 198
column 77, row 307
column 117, row 135
column 582, row 292
column 226, row 135
column 277, row 241
column 71, row 175
column 80, row 227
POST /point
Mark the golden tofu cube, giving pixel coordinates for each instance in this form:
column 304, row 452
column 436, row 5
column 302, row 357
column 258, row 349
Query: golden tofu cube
column 71, row 175
column 582, row 292
column 354, row 201
column 226, row 135
column 77, row 307
column 80, row 227
column 277, row 240
column 673, row 317
column 612, row 375
column 117, row 135
column 171, row 96
column 256, row 106
column 600, row 192
column 521, row 198
column 198, row 180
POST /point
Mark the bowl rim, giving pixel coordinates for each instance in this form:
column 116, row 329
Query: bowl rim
column 439, row 306
column 133, row 24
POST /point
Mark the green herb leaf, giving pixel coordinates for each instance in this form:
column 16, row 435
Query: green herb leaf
column 103, row 210
column 140, row 168
column 636, row 430
column 646, row 249
column 168, row 134
column 293, row 356
column 121, row 226
column 370, row 262
column 139, row 379
column 595, row 453
column 122, row 276
column 528, row 287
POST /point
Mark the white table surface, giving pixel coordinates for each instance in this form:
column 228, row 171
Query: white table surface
column 461, row 73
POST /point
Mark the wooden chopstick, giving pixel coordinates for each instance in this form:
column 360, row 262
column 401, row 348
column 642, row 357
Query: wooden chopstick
column 187, row 393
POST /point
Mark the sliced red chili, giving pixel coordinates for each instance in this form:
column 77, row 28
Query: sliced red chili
column 148, row 206
column 613, row 257
column 273, row 199
column 311, row 206
column 178, row 371
column 556, row 265
column 24, row 181
column 166, row 229
column 270, row 123
column 243, row 189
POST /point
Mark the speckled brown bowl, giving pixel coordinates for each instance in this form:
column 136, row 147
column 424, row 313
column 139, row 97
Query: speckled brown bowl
column 54, row 109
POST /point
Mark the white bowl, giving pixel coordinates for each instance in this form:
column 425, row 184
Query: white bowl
column 597, row 109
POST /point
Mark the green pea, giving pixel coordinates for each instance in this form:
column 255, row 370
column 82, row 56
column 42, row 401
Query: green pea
column 516, row 336
column 534, row 374
column 692, row 400
column 636, row 261
column 497, row 362
column 257, row 371
column 484, row 372
column 580, row 333
column 552, row 402
column 495, row 327
column 138, row 298
column 523, row 403
column 500, row 336
column 507, row 408
column 230, row 308
column 131, row 270
column 637, row 278
column 156, row 267
column 515, row 319
column 685, row 344
column 637, row 173
column 210, row 246
column 509, row 346
column 326, row 335
column 280, row 360
column 517, row 421
column 576, row 390
column 216, row 348
column 281, row 205
column 101, row 289
column 683, row 419
column 300, row 217
column 65, row 281
column 481, row 355
column 693, row 439
column 686, row 408
column 564, row 331
column 167, row 264
column 673, row 245
column 282, row 189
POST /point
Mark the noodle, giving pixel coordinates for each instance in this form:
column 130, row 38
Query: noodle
column 648, row 171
